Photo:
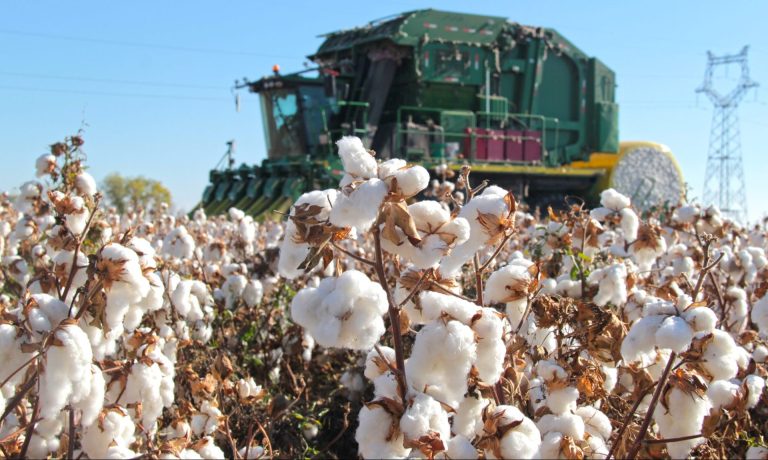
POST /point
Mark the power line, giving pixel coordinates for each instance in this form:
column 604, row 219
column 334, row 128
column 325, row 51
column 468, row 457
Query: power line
column 109, row 80
column 158, row 46
column 110, row 94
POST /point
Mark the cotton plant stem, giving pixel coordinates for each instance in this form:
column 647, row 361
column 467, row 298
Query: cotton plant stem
column 394, row 314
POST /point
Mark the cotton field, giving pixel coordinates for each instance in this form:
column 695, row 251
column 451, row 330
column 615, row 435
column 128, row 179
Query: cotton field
column 395, row 316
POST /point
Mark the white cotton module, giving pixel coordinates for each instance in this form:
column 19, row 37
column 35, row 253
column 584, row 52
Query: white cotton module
column 722, row 393
column 507, row 284
column 596, row 423
column 522, row 441
column 373, row 438
column 675, row 334
column 342, row 312
column 115, row 428
column 683, row 417
column 760, row 315
column 360, row 207
column 441, row 359
column 423, row 415
column 85, row 184
column 67, row 377
column 719, row 358
column 468, row 419
column 492, row 202
column 355, row 158
column 612, row 282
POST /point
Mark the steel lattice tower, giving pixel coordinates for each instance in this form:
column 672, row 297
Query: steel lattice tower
column 724, row 182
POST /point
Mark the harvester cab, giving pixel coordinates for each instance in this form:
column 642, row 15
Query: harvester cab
column 523, row 105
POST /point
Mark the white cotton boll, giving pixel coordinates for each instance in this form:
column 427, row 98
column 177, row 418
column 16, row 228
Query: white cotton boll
column 612, row 281
column 115, row 428
column 209, row 450
column 247, row 388
column 719, row 358
column 374, row 365
column 441, row 359
column 458, row 447
column 434, row 304
column 352, row 381
column 188, row 298
column 77, row 219
column 410, row 180
column 550, row 446
column 145, row 251
column 385, row 386
column 596, row 423
column 206, row 420
column 90, row 405
column 641, row 339
column 522, row 441
column 548, row 287
column 536, row 394
column 253, row 452
column 701, row 319
column 85, row 184
column 760, row 354
column 684, row 417
column 359, row 208
column 179, row 244
column 611, row 378
column 550, row 370
column 236, row 215
column 760, row 315
column 390, row 167
column 124, row 281
column 675, row 334
column 292, row 254
column 45, row 438
column 757, row 453
column 355, row 158
column 568, row 424
column 614, row 200
column 67, row 374
column 507, row 284
column 342, row 312
column 253, row 293
column 629, row 224
column 569, row 288
column 491, row 349
column 372, row 435
column 47, row 312
column 599, row 214
column 233, row 289
column 755, row 385
column 45, row 164
column 597, row 448
column 468, row 419
column 562, row 400
column 423, row 415
column 120, row 452
column 722, row 393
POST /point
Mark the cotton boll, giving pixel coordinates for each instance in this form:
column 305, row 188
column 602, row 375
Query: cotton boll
column 410, row 180
column 760, row 354
column 389, row 167
column 207, row 449
column 641, row 339
column 355, row 159
column 422, row 416
column 612, row 282
column 115, row 428
column 522, row 441
column 123, row 279
column 206, row 420
column 45, row 438
column 596, row 423
column 85, row 184
column 568, row 424
column 253, row 293
column 562, row 400
column 67, row 376
column 292, row 254
column 233, row 288
column 247, row 389
column 613, row 200
column 719, row 356
column 722, row 393
column 45, row 164
column 458, row 447
column 491, row 349
column 760, row 315
column 441, row 359
column 90, row 405
column 188, row 298
column 179, row 244
column 701, row 319
column 360, row 207
column 629, row 224
column 755, row 385
column 435, row 304
column 252, row 452
column 550, row 446
column 342, row 312
column 757, row 453
column 468, row 420
column 683, row 416
column 675, row 334
column 375, row 365
column 44, row 312
column 372, row 435
column 507, row 284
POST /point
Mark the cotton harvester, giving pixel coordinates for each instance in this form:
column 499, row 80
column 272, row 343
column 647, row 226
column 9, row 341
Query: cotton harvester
column 525, row 107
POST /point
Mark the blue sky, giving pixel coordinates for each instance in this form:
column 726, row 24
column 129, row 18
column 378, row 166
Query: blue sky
column 151, row 81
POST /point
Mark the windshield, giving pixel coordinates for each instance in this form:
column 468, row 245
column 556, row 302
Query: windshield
column 282, row 123
column 317, row 112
